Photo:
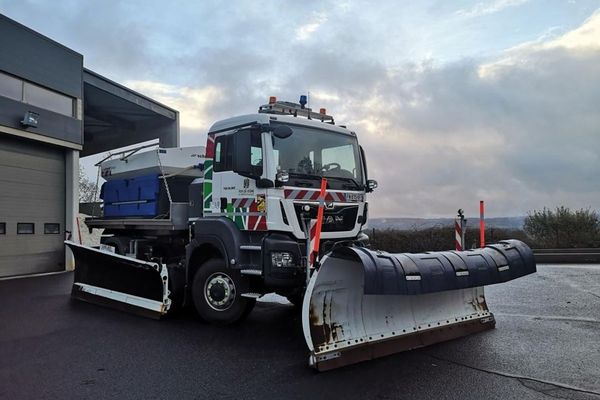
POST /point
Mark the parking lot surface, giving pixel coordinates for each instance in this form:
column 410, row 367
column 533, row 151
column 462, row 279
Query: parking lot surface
column 546, row 345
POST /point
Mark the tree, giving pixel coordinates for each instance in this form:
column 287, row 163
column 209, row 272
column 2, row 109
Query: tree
column 87, row 189
column 563, row 227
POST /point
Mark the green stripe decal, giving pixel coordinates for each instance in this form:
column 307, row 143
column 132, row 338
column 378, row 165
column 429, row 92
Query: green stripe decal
column 207, row 186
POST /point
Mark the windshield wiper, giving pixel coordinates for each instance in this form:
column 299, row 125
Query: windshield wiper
column 341, row 178
column 305, row 176
column 313, row 176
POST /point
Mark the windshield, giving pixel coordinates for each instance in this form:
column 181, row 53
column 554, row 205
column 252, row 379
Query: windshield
column 312, row 153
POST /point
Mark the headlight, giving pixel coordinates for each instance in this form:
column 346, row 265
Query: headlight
column 283, row 259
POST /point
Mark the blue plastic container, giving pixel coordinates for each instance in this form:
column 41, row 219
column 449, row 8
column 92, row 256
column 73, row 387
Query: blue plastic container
column 134, row 197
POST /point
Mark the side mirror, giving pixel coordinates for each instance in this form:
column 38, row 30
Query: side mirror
column 281, row 178
column 281, row 131
column 371, row 185
column 241, row 153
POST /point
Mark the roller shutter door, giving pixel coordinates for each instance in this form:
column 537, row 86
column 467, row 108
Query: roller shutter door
column 32, row 203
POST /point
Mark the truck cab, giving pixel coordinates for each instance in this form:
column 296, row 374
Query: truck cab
column 261, row 179
column 262, row 175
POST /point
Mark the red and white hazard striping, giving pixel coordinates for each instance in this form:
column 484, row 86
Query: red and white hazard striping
column 313, row 195
column 210, row 146
column 458, row 235
column 243, row 202
column 257, row 223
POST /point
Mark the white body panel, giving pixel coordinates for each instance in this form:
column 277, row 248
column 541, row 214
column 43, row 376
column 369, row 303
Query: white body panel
column 173, row 161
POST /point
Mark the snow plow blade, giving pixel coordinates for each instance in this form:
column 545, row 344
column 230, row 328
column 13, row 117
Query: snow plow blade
column 363, row 304
column 120, row 282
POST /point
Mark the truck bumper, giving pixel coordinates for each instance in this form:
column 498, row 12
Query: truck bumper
column 293, row 276
column 283, row 276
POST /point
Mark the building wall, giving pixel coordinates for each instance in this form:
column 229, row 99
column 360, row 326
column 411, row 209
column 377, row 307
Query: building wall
column 45, row 68
column 41, row 76
column 38, row 165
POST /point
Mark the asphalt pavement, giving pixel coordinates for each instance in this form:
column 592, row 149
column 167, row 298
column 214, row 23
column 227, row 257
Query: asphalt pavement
column 546, row 345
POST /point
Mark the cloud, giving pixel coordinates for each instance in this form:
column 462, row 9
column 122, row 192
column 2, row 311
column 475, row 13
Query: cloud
column 582, row 40
column 517, row 128
column 305, row 31
column 585, row 37
column 438, row 137
column 443, row 137
column 193, row 104
column 488, row 7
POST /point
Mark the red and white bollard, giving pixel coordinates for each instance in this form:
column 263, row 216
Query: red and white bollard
column 460, row 224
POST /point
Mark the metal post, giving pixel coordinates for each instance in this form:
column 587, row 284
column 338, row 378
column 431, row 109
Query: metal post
column 306, row 226
column 72, row 202
column 481, row 224
column 313, row 242
column 463, row 223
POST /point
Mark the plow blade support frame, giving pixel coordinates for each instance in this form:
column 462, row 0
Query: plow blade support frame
column 120, row 282
column 363, row 304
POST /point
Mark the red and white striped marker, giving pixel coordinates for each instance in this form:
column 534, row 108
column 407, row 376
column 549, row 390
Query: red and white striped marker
column 316, row 225
column 458, row 237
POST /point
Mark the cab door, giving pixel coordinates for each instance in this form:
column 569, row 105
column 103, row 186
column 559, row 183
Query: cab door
column 236, row 193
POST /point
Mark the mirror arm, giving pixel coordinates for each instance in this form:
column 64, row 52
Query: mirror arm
column 264, row 183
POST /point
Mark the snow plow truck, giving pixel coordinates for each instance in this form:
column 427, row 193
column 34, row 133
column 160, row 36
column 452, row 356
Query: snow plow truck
column 276, row 202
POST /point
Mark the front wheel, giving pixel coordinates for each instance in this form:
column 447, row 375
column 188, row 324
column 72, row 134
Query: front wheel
column 217, row 293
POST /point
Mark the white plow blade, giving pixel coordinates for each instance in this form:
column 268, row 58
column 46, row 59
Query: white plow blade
column 120, row 282
column 342, row 325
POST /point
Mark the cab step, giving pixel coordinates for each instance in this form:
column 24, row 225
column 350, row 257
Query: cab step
column 250, row 247
column 251, row 295
column 251, row 271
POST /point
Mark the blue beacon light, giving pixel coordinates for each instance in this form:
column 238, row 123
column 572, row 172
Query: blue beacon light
column 302, row 101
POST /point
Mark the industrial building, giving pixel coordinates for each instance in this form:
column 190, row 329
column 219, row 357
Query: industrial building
column 52, row 112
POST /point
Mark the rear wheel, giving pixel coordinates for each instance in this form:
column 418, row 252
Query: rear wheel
column 217, row 293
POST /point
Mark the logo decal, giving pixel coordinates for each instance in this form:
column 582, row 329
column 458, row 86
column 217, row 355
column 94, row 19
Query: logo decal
column 261, row 204
column 329, row 219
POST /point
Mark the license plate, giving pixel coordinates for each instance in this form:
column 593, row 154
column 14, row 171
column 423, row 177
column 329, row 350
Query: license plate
column 355, row 197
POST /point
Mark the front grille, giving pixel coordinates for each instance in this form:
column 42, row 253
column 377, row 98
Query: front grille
column 337, row 219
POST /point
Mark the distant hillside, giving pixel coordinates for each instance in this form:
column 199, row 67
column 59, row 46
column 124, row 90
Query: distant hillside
column 425, row 223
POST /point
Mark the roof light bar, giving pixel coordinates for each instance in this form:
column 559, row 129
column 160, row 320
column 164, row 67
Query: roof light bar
column 295, row 109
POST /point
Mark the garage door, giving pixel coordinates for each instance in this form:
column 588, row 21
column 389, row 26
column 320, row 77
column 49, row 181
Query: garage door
column 32, row 207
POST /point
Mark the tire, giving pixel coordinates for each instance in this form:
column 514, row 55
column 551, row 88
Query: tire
column 217, row 293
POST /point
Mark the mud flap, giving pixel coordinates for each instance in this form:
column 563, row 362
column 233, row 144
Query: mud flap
column 363, row 304
column 120, row 282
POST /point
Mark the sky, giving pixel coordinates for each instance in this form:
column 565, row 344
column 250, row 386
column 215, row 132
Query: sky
column 453, row 101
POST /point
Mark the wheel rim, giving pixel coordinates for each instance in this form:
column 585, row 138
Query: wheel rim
column 219, row 291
